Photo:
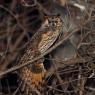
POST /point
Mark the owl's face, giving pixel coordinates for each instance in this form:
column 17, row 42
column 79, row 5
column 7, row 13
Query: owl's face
column 53, row 22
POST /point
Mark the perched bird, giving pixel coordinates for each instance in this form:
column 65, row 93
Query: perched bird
column 33, row 75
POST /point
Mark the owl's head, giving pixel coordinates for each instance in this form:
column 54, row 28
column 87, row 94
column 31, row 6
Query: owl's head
column 53, row 21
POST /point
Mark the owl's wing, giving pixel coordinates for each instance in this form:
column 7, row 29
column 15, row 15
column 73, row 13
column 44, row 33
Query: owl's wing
column 40, row 42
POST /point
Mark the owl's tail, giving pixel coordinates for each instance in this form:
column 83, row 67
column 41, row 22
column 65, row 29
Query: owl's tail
column 31, row 80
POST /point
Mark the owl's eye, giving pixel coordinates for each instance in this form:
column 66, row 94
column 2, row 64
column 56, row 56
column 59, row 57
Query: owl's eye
column 56, row 21
column 49, row 21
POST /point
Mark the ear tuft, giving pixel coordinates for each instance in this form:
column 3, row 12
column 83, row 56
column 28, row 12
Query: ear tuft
column 46, row 16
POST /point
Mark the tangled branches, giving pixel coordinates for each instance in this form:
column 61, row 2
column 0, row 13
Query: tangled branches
column 70, row 62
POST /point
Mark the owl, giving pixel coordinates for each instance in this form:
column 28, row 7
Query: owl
column 33, row 75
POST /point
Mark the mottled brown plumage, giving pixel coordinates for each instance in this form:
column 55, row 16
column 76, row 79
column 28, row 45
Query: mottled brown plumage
column 33, row 75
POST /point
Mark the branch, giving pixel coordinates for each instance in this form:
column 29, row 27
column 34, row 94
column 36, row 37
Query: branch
column 47, row 52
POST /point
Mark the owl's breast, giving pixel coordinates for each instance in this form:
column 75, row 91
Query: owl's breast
column 47, row 40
